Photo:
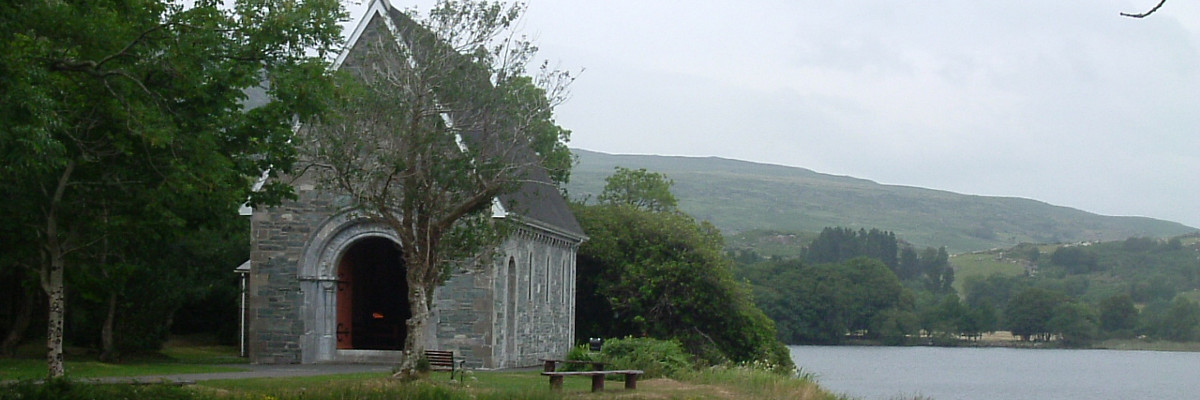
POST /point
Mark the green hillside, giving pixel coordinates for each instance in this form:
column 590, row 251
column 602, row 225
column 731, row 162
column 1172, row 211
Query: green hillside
column 740, row 196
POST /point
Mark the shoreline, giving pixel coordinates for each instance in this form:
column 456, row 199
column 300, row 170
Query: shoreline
column 1007, row 340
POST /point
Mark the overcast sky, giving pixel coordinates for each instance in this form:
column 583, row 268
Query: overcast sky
column 1061, row 101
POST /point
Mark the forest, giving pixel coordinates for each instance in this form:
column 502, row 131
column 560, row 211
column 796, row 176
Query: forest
column 868, row 284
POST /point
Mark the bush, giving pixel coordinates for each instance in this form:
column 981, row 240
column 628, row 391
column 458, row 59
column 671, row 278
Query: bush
column 581, row 353
column 658, row 358
column 665, row 275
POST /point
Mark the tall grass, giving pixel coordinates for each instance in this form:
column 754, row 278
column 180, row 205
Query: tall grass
column 760, row 383
column 62, row 389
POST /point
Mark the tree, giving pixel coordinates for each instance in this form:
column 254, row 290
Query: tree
column 935, row 270
column 946, row 317
column 996, row 290
column 1075, row 259
column 822, row 303
column 894, row 325
column 1028, row 314
column 979, row 320
column 1118, row 316
column 842, row 244
column 908, row 266
column 1076, row 323
column 665, row 275
column 639, row 189
column 1147, row 13
column 144, row 101
column 651, row 270
column 1181, row 322
column 441, row 120
column 875, row 289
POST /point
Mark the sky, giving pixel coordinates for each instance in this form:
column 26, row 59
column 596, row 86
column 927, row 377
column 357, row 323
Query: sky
column 1060, row 101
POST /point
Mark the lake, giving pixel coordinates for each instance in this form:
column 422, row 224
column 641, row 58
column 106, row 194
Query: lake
column 882, row 373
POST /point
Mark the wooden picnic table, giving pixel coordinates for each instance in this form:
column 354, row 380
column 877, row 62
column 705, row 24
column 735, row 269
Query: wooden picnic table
column 631, row 378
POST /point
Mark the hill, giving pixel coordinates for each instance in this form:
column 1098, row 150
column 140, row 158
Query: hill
column 740, row 196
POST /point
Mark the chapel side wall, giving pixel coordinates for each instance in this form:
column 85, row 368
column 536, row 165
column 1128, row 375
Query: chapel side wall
column 463, row 315
column 276, row 303
column 545, row 320
column 473, row 307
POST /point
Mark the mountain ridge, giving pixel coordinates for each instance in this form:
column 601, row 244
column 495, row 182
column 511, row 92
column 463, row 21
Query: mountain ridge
column 738, row 196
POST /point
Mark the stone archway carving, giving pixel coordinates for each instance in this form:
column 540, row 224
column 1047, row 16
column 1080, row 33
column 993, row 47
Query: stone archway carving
column 318, row 280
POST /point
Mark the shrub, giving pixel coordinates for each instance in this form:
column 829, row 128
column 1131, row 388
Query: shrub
column 581, row 353
column 658, row 358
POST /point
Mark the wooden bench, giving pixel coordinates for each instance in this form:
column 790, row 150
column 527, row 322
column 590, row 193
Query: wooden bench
column 631, row 377
column 550, row 365
column 444, row 361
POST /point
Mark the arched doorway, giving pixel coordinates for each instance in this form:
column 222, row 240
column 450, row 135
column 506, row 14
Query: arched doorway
column 372, row 296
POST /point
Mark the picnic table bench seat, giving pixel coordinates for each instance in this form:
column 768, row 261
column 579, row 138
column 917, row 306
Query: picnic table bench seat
column 631, row 377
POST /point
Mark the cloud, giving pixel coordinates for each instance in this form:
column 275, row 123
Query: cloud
column 1064, row 101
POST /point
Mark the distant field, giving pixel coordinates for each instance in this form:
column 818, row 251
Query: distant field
column 771, row 243
column 982, row 265
column 1192, row 295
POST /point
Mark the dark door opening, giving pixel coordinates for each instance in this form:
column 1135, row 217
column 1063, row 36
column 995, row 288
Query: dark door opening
column 372, row 297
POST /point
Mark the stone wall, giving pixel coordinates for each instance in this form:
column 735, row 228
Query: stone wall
column 473, row 308
column 279, row 236
column 509, row 312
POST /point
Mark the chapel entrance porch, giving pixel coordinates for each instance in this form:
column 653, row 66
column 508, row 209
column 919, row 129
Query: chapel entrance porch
column 372, row 296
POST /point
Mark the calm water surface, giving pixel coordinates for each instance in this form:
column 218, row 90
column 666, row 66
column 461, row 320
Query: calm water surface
column 875, row 373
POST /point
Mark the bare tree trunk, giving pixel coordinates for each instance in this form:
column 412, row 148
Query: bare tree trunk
column 108, row 352
column 52, row 283
column 414, row 342
column 24, row 316
column 52, row 280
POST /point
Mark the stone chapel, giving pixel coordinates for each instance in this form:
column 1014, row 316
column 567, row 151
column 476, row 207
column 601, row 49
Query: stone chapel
column 324, row 286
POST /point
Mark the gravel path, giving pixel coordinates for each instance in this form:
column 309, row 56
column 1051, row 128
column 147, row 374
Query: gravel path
column 252, row 371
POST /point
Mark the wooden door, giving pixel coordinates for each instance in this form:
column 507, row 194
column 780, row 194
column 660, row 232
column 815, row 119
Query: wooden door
column 345, row 303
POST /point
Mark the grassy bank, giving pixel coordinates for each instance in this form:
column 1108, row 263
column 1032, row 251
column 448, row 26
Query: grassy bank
column 189, row 357
column 1148, row 345
column 714, row 383
column 709, row 383
column 175, row 358
column 1007, row 340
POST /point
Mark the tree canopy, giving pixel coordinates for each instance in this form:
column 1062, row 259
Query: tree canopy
column 822, row 303
column 665, row 275
column 639, row 189
column 128, row 120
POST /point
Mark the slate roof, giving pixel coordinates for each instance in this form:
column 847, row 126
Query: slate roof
column 537, row 201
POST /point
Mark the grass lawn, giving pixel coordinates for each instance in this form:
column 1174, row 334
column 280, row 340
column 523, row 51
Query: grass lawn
column 175, row 358
column 181, row 357
column 288, row 386
column 982, row 265
column 36, row 369
column 716, row 384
